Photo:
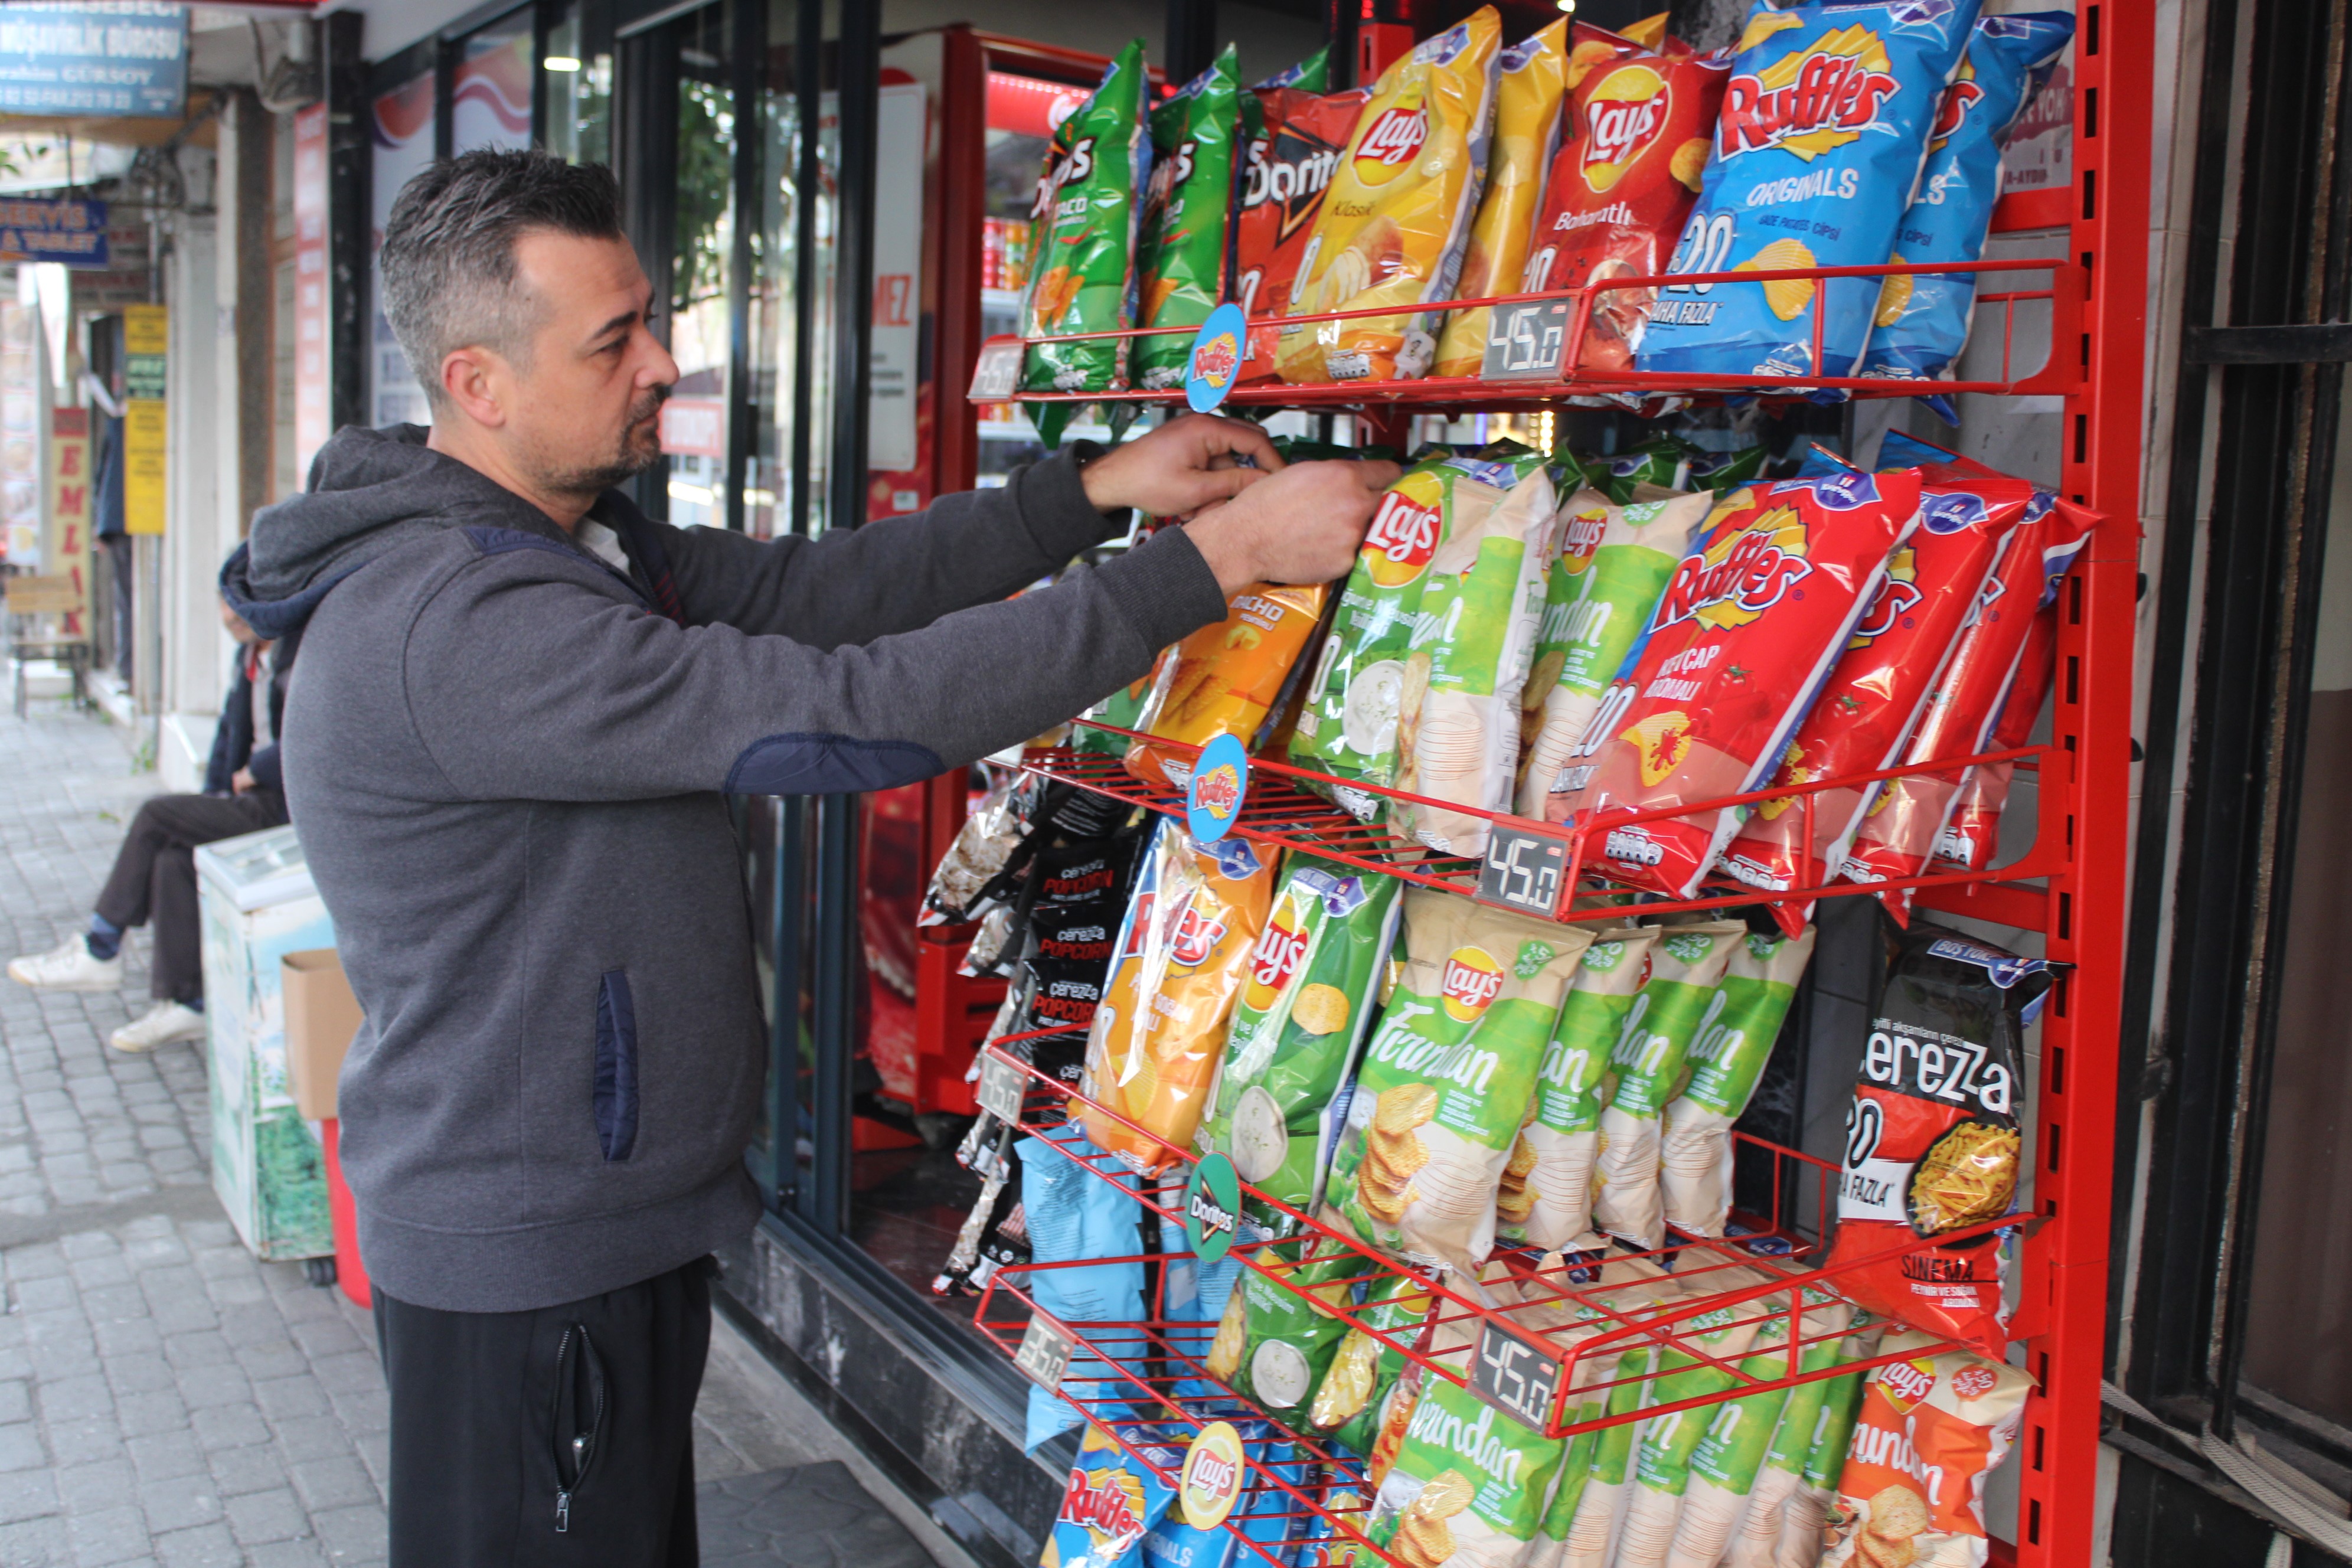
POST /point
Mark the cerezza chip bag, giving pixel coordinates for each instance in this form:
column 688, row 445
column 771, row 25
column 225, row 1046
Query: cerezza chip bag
column 1305, row 1003
column 1931, row 1430
column 1932, row 1139
column 1622, row 182
column 1686, row 971
column 1734, row 1041
column 1753, row 618
column 1184, row 950
column 1531, row 78
column 1291, row 158
column 1972, row 833
column 1823, row 125
column 1552, row 1205
column 1180, row 247
column 1447, row 1078
column 1613, row 563
column 1082, row 277
column 1922, row 321
column 1397, row 213
column 1224, row 679
column 1348, row 725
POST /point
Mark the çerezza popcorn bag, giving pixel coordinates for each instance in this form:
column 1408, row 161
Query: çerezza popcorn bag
column 1458, row 719
column 1348, row 727
column 1612, row 563
column 1726, row 1056
column 1882, row 684
column 1184, row 950
column 1633, row 141
column 1303, row 1011
column 1687, row 968
column 1922, row 321
column 1082, row 269
column 1972, row 833
column 1302, row 134
column 1447, row 1078
column 1181, row 246
column 1552, row 1205
column 1112, row 1499
column 1823, row 125
column 1932, row 1139
column 1224, row 679
column 1397, row 213
column 1752, row 622
column 1931, row 1430
column 1530, row 79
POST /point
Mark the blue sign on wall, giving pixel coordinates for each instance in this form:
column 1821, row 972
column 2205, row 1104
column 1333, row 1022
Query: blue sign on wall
column 103, row 56
column 42, row 229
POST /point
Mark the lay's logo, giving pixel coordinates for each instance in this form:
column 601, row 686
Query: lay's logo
column 1908, row 1382
column 1809, row 104
column 1736, row 578
column 1197, row 934
column 1401, row 540
column 1581, row 539
column 1277, row 955
column 1393, row 139
column 1472, row 978
column 1622, row 117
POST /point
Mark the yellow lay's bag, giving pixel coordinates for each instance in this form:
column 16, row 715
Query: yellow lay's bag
column 1531, row 83
column 1397, row 214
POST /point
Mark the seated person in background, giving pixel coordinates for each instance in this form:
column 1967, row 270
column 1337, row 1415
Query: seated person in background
column 155, row 872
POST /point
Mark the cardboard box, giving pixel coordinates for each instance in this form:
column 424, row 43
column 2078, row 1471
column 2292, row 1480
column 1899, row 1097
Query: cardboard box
column 321, row 1016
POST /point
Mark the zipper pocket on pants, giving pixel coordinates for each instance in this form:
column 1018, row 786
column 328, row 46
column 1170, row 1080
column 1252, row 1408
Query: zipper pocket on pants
column 578, row 1419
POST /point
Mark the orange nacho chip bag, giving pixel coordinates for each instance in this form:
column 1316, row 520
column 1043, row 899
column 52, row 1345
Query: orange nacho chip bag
column 1224, row 679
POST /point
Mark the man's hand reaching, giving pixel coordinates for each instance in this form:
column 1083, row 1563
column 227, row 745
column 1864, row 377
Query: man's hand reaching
column 1185, row 465
column 1303, row 524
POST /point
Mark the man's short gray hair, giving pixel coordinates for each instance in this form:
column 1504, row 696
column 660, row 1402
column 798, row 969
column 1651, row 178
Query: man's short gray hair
column 448, row 259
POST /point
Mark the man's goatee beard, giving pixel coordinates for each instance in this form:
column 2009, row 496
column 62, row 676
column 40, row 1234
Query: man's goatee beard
column 628, row 462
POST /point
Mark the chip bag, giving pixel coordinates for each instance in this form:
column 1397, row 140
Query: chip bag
column 1121, row 708
column 1082, row 279
column 1181, row 249
column 1531, row 77
column 1397, row 214
column 1279, row 1331
column 1612, row 565
column 1458, row 725
column 1358, row 1384
column 1687, row 968
column 1551, row 1207
column 1623, row 180
column 1809, row 1507
column 1932, row 1429
column 1224, row 679
column 1922, row 321
column 1258, row 1516
column 1752, row 620
column 1294, row 148
column 1932, row 1141
column 1448, row 1077
column 1468, row 1487
column 1816, row 152
column 1349, row 726
column 1112, row 1499
column 1972, row 833
column 1184, row 953
column 1303, row 1007
column 1726, row 1058
column 1782, row 1526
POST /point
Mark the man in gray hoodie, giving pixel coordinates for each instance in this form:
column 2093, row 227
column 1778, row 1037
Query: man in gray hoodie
column 521, row 707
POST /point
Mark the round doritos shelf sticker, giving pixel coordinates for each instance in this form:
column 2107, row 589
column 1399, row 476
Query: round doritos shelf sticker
column 1212, row 1210
column 1216, row 358
column 1212, row 1479
column 1212, row 800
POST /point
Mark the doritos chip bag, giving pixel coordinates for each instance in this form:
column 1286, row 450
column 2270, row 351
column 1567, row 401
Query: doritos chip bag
column 1531, row 77
column 1224, row 679
column 1931, row 1429
column 1181, row 250
column 1622, row 185
column 1932, row 1141
column 1397, row 215
column 1753, row 619
column 1823, row 125
column 1112, row 1499
column 1183, row 952
column 1292, row 155
column 1922, row 321
column 1082, row 277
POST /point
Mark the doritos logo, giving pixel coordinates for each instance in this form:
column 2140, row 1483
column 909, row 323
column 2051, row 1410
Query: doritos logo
column 1959, row 98
column 1401, row 541
column 1736, row 578
column 1472, row 980
column 1582, row 539
column 1809, row 103
column 1393, row 142
column 1291, row 173
column 1622, row 117
column 1196, row 935
column 1078, row 165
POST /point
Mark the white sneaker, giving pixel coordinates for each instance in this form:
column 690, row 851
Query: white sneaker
column 166, row 1024
column 68, row 967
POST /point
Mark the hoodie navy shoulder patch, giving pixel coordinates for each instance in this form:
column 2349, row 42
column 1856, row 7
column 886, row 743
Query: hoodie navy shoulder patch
column 828, row 765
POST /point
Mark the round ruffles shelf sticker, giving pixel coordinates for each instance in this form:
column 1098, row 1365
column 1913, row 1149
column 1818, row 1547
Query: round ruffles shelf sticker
column 1216, row 359
column 1220, row 783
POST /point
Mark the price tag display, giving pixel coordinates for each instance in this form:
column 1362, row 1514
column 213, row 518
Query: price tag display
column 1045, row 1353
column 996, row 373
column 1002, row 1085
column 1522, row 870
column 1524, row 341
column 1515, row 1374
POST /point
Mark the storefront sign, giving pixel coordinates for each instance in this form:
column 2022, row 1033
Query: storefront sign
column 894, row 352
column 65, row 542
column 1212, row 1479
column 122, row 56
column 146, row 341
column 313, row 408
column 20, row 430
column 1213, row 1208
column 695, row 427
column 41, row 229
column 1220, row 783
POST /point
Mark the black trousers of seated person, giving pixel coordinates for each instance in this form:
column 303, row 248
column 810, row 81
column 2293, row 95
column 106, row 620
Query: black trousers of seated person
column 154, row 877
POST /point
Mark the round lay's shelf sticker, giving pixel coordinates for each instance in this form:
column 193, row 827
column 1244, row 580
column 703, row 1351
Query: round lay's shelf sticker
column 1213, row 1211
column 1216, row 358
column 1213, row 800
column 1212, row 1479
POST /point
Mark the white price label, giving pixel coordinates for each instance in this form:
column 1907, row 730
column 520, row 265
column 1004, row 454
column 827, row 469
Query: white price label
column 1524, row 341
column 996, row 373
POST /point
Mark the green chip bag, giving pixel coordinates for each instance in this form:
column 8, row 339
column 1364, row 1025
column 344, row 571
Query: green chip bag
column 1181, row 251
column 1083, row 229
column 1356, row 1385
column 1695, row 1155
column 1601, row 1498
column 1552, row 1207
column 1123, row 708
column 1780, row 1505
column 1721, row 471
column 1468, row 1486
column 1303, row 1007
column 1278, row 1333
column 1686, row 973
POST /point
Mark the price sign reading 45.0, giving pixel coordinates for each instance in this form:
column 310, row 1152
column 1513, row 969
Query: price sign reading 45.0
column 1001, row 1088
column 1045, row 1353
column 1515, row 1374
column 1522, row 870
column 1524, row 341
column 996, row 373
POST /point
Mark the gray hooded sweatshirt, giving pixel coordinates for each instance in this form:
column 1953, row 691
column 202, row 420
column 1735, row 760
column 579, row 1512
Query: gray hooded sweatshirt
column 508, row 765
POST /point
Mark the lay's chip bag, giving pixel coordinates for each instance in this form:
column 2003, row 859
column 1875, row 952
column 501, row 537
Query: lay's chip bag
column 1551, row 1205
column 1397, row 214
column 1532, row 77
column 1922, row 321
column 1082, row 275
column 1181, row 250
column 1824, row 127
column 1113, row 1498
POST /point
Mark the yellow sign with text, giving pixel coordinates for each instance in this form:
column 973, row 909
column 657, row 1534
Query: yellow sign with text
column 142, row 466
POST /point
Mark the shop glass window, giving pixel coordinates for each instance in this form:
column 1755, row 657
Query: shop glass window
column 693, row 423
column 490, row 87
column 579, row 88
column 402, row 115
